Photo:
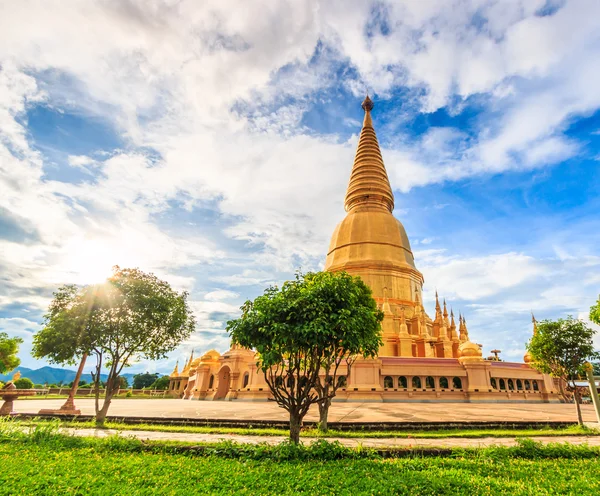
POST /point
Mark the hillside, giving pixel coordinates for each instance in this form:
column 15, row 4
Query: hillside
column 52, row 375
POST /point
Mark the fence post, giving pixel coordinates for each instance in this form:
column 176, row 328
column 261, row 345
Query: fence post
column 589, row 372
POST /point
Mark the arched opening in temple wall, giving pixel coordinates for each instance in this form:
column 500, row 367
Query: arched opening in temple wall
column 223, row 382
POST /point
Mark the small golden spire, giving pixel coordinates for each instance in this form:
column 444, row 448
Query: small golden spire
column 534, row 324
column 176, row 369
column 438, row 310
column 403, row 326
column 463, row 333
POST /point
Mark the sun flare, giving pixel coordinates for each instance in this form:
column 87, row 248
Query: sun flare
column 91, row 261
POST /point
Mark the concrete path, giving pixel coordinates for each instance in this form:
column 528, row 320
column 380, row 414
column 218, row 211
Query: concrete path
column 365, row 442
column 339, row 412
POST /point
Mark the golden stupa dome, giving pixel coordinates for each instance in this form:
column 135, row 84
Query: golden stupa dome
column 210, row 356
column 468, row 349
column 369, row 233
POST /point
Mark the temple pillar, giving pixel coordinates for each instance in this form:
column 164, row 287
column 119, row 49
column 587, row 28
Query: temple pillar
column 364, row 375
column 389, row 335
column 477, row 375
column 447, row 349
column 405, row 347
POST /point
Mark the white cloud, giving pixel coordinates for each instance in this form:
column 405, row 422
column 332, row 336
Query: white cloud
column 221, row 294
column 209, row 99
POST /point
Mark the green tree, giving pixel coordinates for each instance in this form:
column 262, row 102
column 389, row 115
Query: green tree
column 299, row 330
column 161, row 383
column 123, row 382
column 132, row 316
column 9, row 347
column 23, row 383
column 595, row 312
column 562, row 348
column 596, row 368
column 141, row 381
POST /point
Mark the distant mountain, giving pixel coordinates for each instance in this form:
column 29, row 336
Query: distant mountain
column 52, row 375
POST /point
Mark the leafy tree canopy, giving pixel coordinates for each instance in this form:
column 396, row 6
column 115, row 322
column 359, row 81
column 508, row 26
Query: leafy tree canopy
column 144, row 380
column 161, row 383
column 9, row 347
column 132, row 316
column 595, row 312
column 562, row 347
column 315, row 321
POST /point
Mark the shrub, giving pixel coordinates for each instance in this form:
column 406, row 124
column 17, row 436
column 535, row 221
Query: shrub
column 24, row 383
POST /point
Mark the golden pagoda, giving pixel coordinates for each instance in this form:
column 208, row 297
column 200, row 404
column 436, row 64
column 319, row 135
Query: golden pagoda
column 422, row 358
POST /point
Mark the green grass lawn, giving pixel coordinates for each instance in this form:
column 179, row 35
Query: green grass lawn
column 44, row 463
column 433, row 434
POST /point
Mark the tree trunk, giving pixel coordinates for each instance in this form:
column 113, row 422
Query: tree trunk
column 69, row 405
column 561, row 389
column 101, row 414
column 576, row 396
column 112, row 383
column 295, row 426
column 323, row 414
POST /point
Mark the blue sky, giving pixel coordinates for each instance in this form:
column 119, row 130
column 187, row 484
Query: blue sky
column 212, row 145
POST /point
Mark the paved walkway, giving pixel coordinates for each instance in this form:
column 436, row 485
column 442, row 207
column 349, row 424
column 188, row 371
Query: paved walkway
column 339, row 412
column 351, row 442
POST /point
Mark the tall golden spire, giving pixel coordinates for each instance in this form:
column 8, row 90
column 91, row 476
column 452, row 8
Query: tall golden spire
column 438, row 309
column 369, row 183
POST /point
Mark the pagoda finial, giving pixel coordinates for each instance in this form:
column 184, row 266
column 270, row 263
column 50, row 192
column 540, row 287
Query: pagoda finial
column 534, row 324
column 369, row 183
column 176, row 369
